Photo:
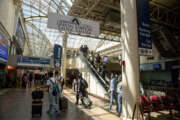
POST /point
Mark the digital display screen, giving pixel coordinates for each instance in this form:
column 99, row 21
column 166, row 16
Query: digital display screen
column 105, row 59
column 3, row 48
column 157, row 66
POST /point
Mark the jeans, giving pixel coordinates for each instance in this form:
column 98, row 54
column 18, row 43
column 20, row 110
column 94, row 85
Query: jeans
column 53, row 103
column 111, row 99
column 119, row 103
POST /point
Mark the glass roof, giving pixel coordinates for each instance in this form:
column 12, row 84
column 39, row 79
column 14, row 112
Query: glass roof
column 41, row 38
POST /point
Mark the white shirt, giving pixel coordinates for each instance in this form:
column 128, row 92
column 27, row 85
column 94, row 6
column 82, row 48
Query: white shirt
column 50, row 84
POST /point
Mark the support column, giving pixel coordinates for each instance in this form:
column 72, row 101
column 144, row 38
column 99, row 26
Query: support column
column 130, row 71
column 64, row 56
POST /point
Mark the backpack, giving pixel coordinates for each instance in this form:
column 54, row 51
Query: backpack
column 56, row 90
column 84, row 84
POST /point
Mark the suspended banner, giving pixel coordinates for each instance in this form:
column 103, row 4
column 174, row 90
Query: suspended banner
column 57, row 55
column 71, row 24
column 144, row 28
column 33, row 61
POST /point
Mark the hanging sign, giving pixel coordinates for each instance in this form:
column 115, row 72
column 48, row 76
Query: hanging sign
column 33, row 61
column 144, row 29
column 71, row 24
column 57, row 55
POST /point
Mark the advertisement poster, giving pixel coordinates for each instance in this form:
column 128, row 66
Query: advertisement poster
column 57, row 55
column 144, row 27
column 3, row 48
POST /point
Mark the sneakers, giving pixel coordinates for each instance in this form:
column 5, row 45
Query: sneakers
column 57, row 113
column 48, row 111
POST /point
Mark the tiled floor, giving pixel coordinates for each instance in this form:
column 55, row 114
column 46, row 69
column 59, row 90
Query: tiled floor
column 15, row 104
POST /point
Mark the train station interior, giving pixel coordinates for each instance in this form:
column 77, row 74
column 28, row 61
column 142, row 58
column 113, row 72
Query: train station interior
column 89, row 59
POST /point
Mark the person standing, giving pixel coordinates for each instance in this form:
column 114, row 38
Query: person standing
column 112, row 89
column 25, row 80
column 74, row 84
column 30, row 79
column 119, row 96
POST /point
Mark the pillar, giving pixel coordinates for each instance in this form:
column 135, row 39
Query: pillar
column 130, row 71
column 64, row 56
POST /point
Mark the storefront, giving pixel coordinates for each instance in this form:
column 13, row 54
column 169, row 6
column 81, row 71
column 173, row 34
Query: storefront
column 4, row 49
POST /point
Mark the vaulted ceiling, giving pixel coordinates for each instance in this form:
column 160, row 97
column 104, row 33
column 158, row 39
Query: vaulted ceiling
column 164, row 14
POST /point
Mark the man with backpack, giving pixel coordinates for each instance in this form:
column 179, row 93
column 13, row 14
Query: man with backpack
column 81, row 88
column 53, row 91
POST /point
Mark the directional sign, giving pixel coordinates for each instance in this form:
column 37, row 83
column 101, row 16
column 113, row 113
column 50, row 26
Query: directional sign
column 33, row 61
column 144, row 29
column 71, row 24
column 57, row 55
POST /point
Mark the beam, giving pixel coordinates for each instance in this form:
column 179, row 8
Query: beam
column 92, row 7
column 109, row 48
column 31, row 6
column 40, row 32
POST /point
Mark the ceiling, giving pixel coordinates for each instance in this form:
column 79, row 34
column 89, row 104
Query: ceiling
column 164, row 14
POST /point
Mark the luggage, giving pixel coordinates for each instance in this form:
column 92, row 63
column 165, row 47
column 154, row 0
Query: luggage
column 63, row 103
column 37, row 103
column 37, row 94
column 87, row 102
column 37, row 108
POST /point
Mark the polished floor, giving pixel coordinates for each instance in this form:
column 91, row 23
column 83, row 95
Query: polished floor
column 15, row 104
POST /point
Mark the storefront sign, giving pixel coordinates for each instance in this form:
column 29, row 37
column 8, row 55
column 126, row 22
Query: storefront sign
column 144, row 29
column 71, row 24
column 33, row 61
column 20, row 36
column 57, row 55
column 3, row 48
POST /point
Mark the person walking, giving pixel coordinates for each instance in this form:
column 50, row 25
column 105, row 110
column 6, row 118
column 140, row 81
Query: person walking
column 119, row 96
column 113, row 85
column 79, row 92
column 74, row 85
column 53, row 98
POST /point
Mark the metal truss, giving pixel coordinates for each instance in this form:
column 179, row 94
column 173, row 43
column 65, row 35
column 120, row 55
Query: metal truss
column 96, row 10
column 111, row 50
column 43, row 35
column 164, row 16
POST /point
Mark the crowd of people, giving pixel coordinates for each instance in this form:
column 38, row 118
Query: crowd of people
column 115, row 89
column 98, row 63
column 30, row 78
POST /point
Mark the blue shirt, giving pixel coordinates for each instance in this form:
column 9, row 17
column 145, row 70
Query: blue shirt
column 119, row 87
column 113, row 84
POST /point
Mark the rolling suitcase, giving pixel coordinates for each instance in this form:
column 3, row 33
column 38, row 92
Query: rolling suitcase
column 87, row 102
column 37, row 103
column 37, row 108
column 63, row 103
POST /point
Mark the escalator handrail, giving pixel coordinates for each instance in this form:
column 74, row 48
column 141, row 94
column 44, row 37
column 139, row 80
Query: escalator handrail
column 92, row 68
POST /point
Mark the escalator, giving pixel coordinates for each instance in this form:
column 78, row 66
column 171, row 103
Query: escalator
column 104, row 82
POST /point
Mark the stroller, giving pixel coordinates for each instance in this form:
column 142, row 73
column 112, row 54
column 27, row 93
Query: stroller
column 37, row 103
